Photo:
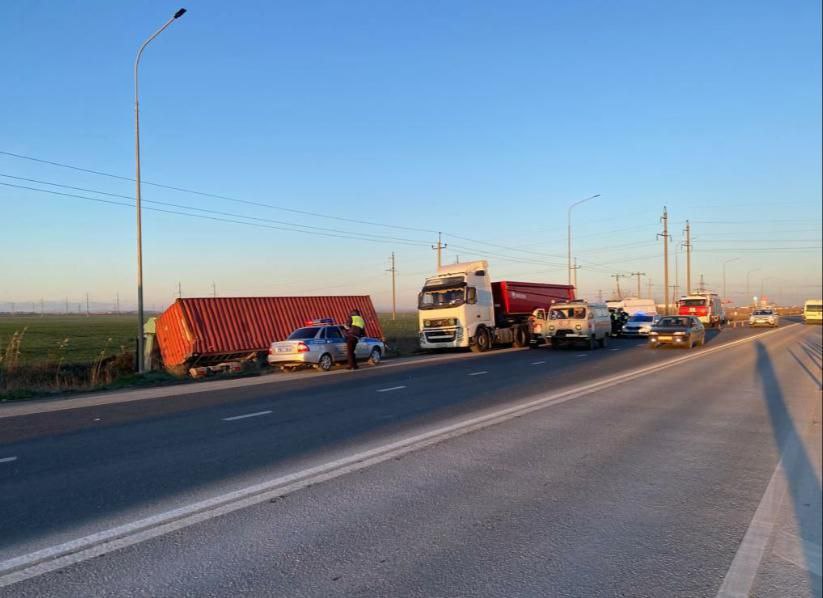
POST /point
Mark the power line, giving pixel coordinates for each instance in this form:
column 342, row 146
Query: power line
column 213, row 195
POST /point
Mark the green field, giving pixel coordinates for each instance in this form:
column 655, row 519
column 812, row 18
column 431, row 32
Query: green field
column 83, row 337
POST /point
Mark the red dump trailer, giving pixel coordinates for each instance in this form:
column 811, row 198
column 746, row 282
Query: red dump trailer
column 512, row 299
column 208, row 330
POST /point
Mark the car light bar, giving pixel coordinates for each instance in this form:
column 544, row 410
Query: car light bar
column 319, row 322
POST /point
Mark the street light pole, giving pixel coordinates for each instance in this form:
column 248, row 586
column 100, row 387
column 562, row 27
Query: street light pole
column 140, row 361
column 734, row 259
column 569, row 235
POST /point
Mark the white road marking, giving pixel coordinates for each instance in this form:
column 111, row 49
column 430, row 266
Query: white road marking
column 7, row 459
column 82, row 549
column 614, row 349
column 582, row 355
column 538, row 362
column 478, row 373
column 390, row 388
column 244, row 416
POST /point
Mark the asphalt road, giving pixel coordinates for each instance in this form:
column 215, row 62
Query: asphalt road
column 646, row 487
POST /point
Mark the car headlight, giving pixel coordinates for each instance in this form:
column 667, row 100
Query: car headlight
column 679, row 333
column 578, row 327
column 427, row 323
column 645, row 328
column 454, row 322
column 551, row 327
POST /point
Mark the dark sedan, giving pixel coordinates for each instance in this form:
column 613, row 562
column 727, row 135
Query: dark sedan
column 678, row 331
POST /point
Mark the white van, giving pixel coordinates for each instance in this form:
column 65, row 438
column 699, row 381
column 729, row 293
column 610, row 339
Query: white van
column 578, row 322
column 634, row 305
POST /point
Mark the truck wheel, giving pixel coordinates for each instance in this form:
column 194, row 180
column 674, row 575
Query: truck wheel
column 482, row 341
column 521, row 337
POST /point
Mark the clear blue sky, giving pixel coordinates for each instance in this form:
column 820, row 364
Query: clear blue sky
column 480, row 119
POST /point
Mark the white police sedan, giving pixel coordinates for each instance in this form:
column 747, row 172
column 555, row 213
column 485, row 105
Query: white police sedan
column 321, row 344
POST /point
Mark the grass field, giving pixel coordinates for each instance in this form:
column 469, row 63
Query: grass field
column 83, row 337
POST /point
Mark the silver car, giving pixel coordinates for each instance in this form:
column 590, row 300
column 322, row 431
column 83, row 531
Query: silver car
column 764, row 317
column 639, row 325
column 321, row 345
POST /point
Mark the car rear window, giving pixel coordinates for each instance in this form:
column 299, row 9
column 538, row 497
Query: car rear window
column 303, row 334
column 641, row 318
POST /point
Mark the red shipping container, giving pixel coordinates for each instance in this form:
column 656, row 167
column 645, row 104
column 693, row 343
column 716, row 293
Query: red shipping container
column 207, row 330
column 524, row 297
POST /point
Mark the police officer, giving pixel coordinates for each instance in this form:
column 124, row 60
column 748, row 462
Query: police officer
column 355, row 330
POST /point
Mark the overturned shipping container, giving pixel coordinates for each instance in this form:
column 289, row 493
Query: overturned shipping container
column 202, row 331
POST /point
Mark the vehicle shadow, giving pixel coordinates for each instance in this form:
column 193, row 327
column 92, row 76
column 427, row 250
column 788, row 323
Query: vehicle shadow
column 797, row 465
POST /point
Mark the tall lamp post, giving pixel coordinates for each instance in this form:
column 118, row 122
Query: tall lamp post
column 577, row 203
column 140, row 358
column 729, row 261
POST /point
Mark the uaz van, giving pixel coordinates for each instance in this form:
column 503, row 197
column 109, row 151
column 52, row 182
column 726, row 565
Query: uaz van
column 578, row 322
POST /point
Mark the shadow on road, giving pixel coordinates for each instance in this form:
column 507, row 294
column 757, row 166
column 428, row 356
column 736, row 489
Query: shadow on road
column 797, row 464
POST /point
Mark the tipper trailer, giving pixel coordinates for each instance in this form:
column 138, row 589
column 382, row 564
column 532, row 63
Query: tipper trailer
column 460, row 306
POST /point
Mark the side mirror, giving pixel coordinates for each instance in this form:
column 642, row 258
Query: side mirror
column 471, row 295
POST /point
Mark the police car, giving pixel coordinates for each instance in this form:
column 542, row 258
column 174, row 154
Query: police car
column 321, row 344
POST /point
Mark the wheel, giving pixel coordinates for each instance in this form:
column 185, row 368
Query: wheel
column 375, row 356
column 521, row 337
column 325, row 362
column 555, row 343
column 591, row 344
column 482, row 341
column 603, row 342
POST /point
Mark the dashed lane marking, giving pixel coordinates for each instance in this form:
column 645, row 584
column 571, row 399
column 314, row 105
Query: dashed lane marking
column 390, row 388
column 245, row 415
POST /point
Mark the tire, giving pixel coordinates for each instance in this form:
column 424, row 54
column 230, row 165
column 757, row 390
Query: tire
column 603, row 342
column 591, row 344
column 375, row 356
column 555, row 343
column 326, row 362
column 521, row 337
column 482, row 341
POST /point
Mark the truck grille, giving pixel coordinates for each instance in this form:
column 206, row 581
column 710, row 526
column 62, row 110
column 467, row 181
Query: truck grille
column 441, row 336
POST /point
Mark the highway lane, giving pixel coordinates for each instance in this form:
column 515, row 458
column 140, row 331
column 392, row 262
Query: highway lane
column 645, row 488
column 162, row 453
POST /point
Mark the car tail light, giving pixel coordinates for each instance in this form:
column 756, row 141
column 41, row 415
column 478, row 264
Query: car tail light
column 302, row 348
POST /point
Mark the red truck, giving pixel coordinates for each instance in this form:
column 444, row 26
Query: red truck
column 461, row 307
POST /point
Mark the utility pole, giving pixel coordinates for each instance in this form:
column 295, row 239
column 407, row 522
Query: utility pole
column 649, row 285
column 439, row 249
column 665, row 235
column 702, row 285
column 88, row 311
column 213, row 289
column 67, row 305
column 617, row 278
column 179, row 290
column 393, row 270
column 117, row 303
column 688, row 245
column 600, row 295
column 13, row 308
column 638, row 274
column 42, row 308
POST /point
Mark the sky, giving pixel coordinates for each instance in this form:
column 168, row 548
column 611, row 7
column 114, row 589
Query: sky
column 321, row 137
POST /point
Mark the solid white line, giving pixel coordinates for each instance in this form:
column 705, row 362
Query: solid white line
column 8, row 459
column 614, row 349
column 582, row 355
column 538, row 362
column 478, row 373
column 81, row 549
column 244, row 416
column 390, row 388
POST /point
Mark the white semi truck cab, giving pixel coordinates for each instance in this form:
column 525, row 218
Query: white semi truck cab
column 453, row 304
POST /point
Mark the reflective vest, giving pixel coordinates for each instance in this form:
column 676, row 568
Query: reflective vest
column 359, row 322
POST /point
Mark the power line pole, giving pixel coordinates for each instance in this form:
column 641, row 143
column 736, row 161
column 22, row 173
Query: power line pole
column 213, row 289
column 393, row 270
column 600, row 295
column 88, row 311
column 439, row 248
column 617, row 278
column 688, row 245
column 117, row 303
column 665, row 236
column 179, row 290
column 67, row 305
column 650, row 285
column 42, row 308
column 702, row 285
column 638, row 274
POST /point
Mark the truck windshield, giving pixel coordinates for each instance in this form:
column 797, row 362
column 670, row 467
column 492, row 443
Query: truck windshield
column 568, row 313
column 434, row 299
column 693, row 302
